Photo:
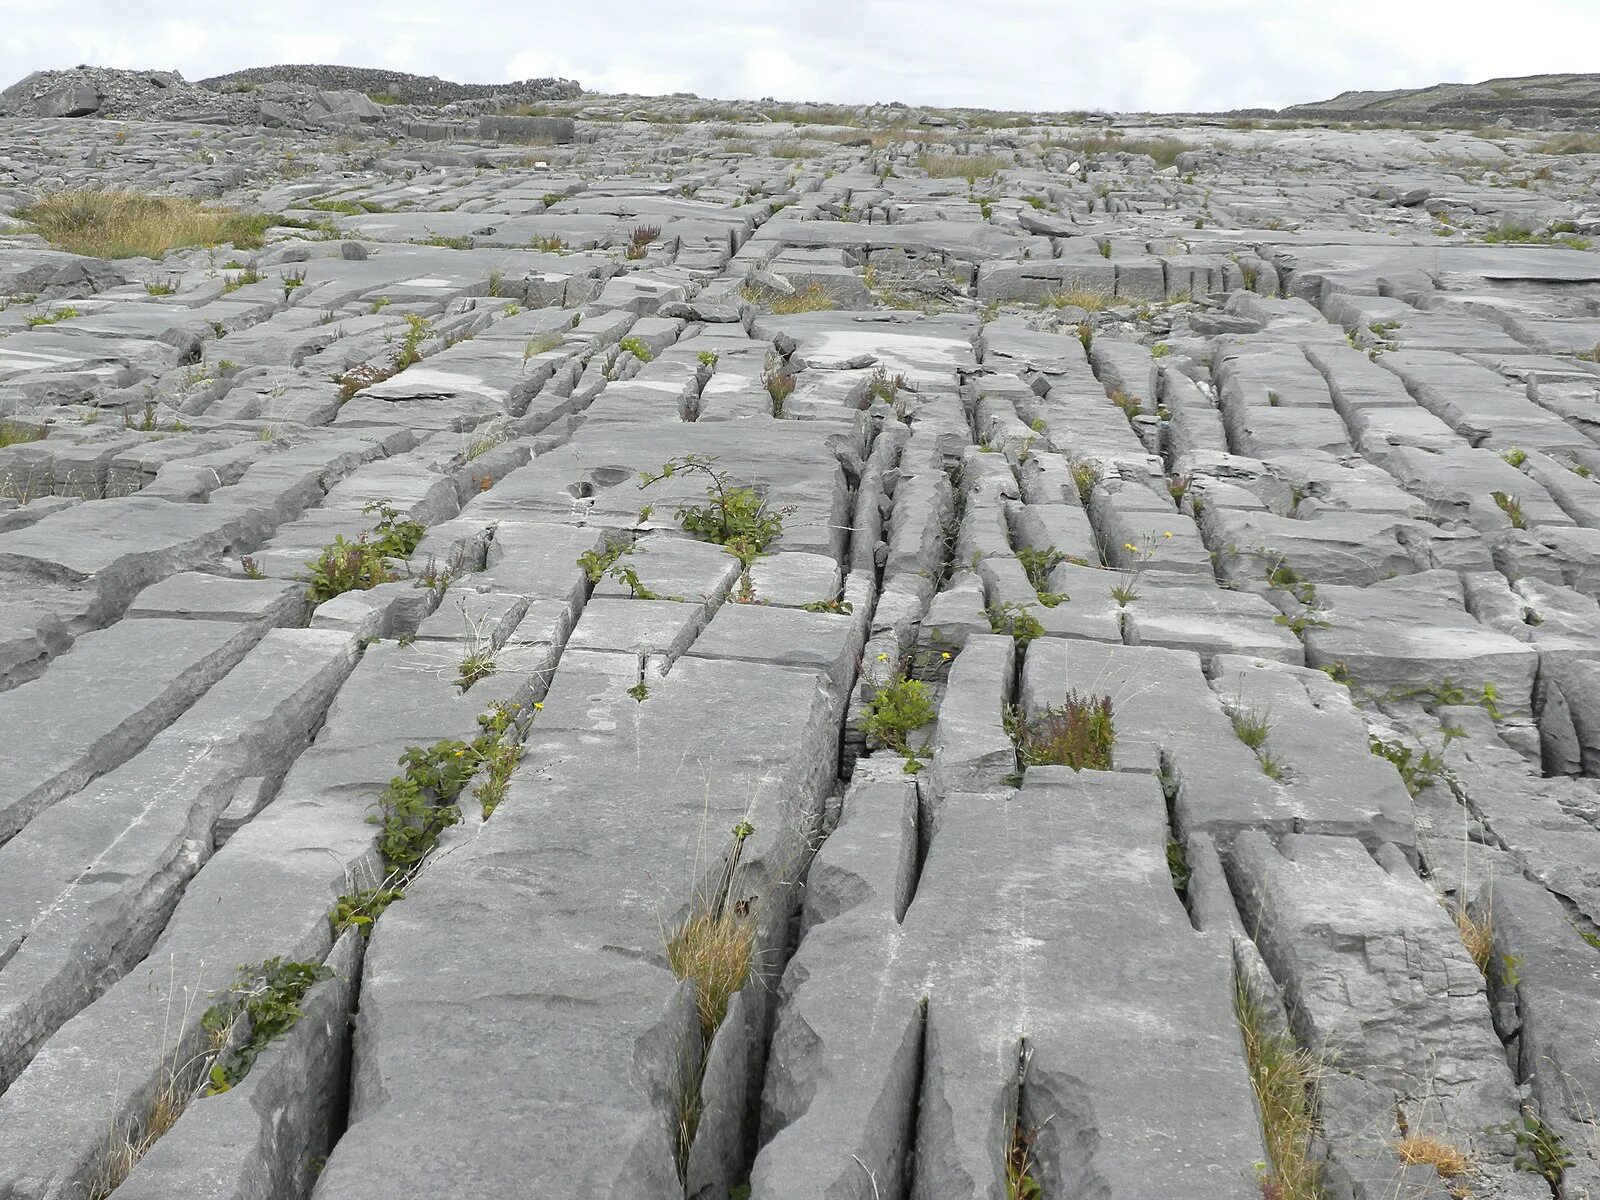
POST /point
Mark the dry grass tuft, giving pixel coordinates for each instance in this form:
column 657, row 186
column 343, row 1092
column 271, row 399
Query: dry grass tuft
column 1477, row 935
column 962, row 166
column 1450, row 1162
column 808, row 299
column 715, row 952
column 1090, row 299
column 1285, row 1079
column 116, row 223
column 128, row 1145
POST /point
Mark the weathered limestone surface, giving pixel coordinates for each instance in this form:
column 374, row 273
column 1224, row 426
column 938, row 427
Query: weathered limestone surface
column 616, row 602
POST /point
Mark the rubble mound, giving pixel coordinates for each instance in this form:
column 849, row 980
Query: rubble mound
column 396, row 86
column 1523, row 99
column 108, row 92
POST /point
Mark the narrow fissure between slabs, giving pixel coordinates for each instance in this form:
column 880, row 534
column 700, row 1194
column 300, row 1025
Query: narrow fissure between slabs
column 1176, row 847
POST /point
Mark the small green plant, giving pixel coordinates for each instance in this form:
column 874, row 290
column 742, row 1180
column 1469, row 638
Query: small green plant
column 811, row 298
column 14, row 435
column 394, row 535
column 166, row 287
column 1514, row 456
column 1131, row 406
column 268, row 996
column 707, row 358
column 417, row 328
column 499, row 750
column 639, row 239
column 346, row 567
column 475, row 667
column 1016, row 621
column 1086, row 477
column 360, row 909
column 1416, row 771
column 780, row 386
column 1038, row 564
column 292, row 280
column 1286, row 1080
column 1512, row 507
column 65, row 313
column 1540, row 1149
column 1178, row 866
column 637, row 348
column 883, row 386
column 640, row 691
column 251, row 568
column 734, row 515
column 1021, row 1183
column 895, row 710
column 597, row 564
column 1250, row 725
column 419, row 805
column 838, row 607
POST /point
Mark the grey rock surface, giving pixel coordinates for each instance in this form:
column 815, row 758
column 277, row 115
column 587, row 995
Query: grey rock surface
column 794, row 650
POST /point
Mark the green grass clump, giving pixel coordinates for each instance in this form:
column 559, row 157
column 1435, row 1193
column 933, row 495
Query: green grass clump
column 14, row 435
column 119, row 223
column 1285, row 1079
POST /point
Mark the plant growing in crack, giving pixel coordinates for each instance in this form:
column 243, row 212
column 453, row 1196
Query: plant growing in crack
column 1016, row 621
column 895, row 710
column 1037, row 565
column 1143, row 552
column 734, row 515
column 780, row 384
column 267, row 996
column 1079, row 734
column 714, row 948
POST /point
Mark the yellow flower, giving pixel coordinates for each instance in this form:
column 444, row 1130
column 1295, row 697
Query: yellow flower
column 537, row 705
column 883, row 658
column 1130, row 546
column 1167, row 534
column 945, row 656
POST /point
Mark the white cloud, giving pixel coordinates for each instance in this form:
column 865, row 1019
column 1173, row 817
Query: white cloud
column 1132, row 54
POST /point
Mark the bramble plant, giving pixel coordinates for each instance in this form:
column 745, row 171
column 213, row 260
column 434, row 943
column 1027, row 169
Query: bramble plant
column 1015, row 620
column 267, row 995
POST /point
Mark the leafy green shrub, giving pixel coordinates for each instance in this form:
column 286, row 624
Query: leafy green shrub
column 734, row 516
column 1015, row 620
column 343, row 566
column 267, row 995
column 897, row 708
column 416, row 807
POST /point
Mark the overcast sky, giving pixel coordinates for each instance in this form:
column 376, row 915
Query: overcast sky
column 1046, row 54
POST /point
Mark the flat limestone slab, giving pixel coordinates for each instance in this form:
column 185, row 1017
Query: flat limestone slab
column 101, row 701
